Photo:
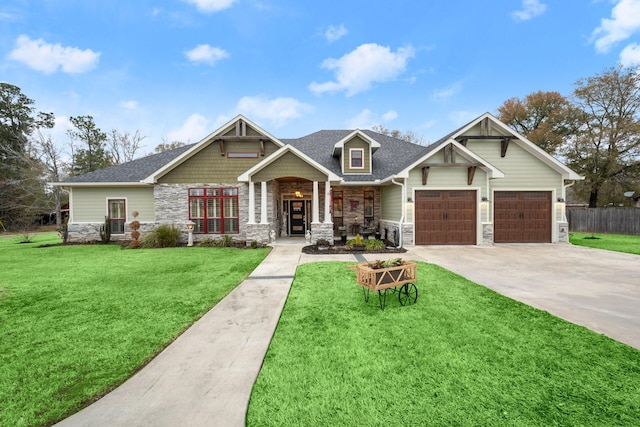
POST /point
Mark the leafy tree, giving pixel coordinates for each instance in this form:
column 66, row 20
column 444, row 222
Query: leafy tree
column 408, row 136
column 21, row 184
column 124, row 146
column 93, row 155
column 546, row 118
column 53, row 165
column 606, row 149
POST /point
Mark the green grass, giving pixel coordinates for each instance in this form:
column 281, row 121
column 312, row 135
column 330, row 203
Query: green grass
column 76, row 321
column 462, row 355
column 610, row 242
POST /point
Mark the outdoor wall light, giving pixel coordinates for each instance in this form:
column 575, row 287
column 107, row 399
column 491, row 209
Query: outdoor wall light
column 485, row 199
column 409, row 200
column 299, row 194
column 560, row 200
column 190, row 225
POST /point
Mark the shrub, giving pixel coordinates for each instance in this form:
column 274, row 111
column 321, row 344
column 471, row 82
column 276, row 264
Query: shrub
column 105, row 230
column 374, row 244
column 163, row 236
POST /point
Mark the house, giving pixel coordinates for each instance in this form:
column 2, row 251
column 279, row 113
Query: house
column 481, row 184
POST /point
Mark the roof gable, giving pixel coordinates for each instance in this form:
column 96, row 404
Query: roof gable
column 282, row 153
column 239, row 128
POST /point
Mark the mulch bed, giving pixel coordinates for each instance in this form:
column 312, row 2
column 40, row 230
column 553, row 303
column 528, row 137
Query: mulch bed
column 340, row 249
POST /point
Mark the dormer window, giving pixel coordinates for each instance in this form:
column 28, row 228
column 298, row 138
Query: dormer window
column 356, row 156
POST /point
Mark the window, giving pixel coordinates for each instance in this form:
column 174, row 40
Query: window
column 337, row 208
column 214, row 210
column 117, row 214
column 368, row 206
column 242, row 155
column 356, row 158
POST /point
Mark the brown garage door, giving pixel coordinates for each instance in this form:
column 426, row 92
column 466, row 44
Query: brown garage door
column 522, row 217
column 445, row 217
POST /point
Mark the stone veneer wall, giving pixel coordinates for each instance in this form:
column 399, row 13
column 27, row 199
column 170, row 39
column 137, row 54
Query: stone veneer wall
column 563, row 232
column 321, row 230
column 89, row 232
column 487, row 234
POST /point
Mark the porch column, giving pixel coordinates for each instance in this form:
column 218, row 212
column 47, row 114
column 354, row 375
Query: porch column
column 252, row 204
column 316, row 204
column 263, row 202
column 327, row 202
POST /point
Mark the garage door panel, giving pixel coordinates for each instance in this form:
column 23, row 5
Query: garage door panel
column 522, row 217
column 445, row 217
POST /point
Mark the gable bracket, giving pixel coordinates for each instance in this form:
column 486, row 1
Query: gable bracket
column 425, row 174
column 222, row 153
column 462, row 140
column 504, row 144
column 471, row 171
column 262, row 147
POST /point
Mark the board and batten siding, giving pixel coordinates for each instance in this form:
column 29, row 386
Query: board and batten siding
column 210, row 165
column 391, row 203
column 289, row 165
column 89, row 205
column 357, row 143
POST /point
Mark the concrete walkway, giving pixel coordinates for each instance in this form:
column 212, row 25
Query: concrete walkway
column 205, row 377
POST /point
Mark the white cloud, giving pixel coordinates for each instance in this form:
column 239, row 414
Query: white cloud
column 48, row 57
column 460, row 118
column 209, row 6
column 389, row 116
column 334, row 33
column 366, row 119
column 193, row 129
column 448, row 92
column 530, row 9
column 206, row 54
column 367, row 64
column 129, row 105
column 625, row 20
column 630, row 55
column 278, row 111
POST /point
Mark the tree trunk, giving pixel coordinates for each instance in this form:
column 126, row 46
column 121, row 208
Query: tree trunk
column 593, row 198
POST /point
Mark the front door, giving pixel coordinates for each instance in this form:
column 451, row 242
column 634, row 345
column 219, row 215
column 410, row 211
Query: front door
column 297, row 218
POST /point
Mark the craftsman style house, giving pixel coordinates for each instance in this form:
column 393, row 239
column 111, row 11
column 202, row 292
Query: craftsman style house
column 481, row 184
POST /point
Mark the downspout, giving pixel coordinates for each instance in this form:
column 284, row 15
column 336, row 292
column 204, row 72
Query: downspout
column 404, row 197
column 564, row 197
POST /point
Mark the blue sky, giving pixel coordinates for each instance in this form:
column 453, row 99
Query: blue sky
column 176, row 70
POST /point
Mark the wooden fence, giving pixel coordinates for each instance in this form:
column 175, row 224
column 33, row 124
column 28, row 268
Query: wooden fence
column 604, row 220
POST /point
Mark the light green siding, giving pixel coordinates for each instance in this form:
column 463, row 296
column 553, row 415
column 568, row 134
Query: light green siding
column 443, row 177
column 391, row 201
column 209, row 165
column 289, row 165
column 90, row 204
column 521, row 169
column 356, row 143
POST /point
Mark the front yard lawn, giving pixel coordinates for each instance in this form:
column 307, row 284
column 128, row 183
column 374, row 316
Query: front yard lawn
column 76, row 321
column 462, row 355
column 610, row 242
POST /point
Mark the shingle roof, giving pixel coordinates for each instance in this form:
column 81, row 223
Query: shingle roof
column 392, row 157
column 133, row 171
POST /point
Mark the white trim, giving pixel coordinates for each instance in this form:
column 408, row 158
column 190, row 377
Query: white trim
column 126, row 205
column 152, row 179
column 246, row 176
column 339, row 146
column 99, row 184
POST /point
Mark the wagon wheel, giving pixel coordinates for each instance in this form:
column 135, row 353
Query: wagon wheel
column 365, row 291
column 408, row 294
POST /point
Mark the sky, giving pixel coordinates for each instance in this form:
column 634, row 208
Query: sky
column 176, row 70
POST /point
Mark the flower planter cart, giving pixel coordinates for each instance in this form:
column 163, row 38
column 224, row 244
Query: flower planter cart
column 399, row 279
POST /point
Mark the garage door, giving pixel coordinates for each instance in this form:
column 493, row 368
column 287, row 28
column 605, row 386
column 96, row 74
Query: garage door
column 522, row 217
column 445, row 217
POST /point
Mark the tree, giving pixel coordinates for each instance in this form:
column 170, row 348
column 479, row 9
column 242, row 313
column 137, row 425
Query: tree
column 408, row 136
column 95, row 156
column 21, row 185
column 168, row 146
column 606, row 149
column 545, row 118
column 53, row 164
column 124, row 146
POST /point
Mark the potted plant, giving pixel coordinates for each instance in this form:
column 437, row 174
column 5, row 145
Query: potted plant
column 323, row 244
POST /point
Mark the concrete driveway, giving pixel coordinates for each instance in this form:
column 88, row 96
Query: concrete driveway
column 590, row 287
